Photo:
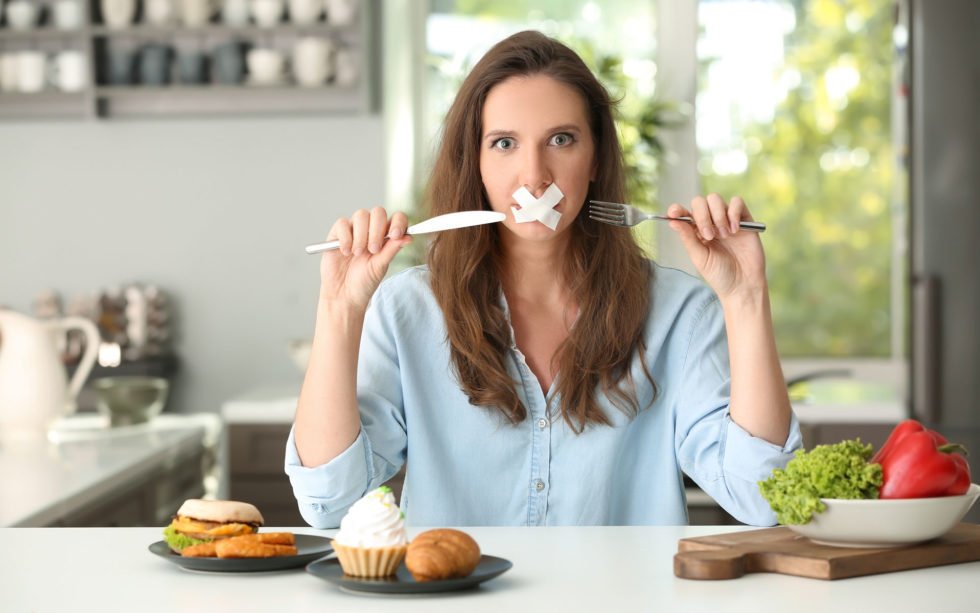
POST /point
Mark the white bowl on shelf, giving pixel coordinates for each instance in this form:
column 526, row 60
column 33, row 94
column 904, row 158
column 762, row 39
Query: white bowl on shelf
column 886, row 523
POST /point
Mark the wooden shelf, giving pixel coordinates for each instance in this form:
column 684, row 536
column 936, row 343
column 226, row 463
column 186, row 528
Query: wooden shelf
column 223, row 99
column 102, row 101
column 44, row 104
column 218, row 29
column 41, row 34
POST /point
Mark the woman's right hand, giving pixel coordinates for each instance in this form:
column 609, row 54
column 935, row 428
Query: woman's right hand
column 350, row 275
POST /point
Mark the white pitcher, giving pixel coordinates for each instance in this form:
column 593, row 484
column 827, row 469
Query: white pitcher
column 34, row 387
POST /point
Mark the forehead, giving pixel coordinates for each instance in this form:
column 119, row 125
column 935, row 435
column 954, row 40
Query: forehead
column 529, row 102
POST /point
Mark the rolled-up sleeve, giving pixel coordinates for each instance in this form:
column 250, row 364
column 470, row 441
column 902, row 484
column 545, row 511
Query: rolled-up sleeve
column 719, row 455
column 325, row 492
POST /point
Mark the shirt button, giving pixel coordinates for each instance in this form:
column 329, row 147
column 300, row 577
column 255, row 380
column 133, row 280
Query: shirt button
column 539, row 485
column 542, row 423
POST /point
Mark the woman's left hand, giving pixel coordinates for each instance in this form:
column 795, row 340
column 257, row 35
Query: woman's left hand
column 730, row 259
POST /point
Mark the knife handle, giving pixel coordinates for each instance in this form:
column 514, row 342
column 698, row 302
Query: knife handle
column 333, row 245
column 321, row 247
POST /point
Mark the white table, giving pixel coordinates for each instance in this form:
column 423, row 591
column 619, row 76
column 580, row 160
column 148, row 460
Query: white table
column 555, row 569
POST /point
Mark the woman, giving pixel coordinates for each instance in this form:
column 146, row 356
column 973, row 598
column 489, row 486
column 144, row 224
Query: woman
column 540, row 371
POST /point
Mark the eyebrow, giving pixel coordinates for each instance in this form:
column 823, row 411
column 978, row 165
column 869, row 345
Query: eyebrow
column 567, row 127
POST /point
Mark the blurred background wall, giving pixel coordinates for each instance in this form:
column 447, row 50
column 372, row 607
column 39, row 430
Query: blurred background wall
column 215, row 212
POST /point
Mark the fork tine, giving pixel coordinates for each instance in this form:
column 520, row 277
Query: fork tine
column 615, row 221
column 606, row 214
column 600, row 215
column 606, row 207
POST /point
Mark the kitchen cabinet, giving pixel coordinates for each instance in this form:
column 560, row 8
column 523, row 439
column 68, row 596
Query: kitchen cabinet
column 256, row 475
column 97, row 42
column 256, row 458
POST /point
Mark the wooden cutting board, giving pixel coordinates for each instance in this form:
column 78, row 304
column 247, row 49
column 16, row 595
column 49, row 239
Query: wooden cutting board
column 780, row 550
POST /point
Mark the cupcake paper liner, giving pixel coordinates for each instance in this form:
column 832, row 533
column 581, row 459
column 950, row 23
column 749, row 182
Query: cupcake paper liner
column 370, row 562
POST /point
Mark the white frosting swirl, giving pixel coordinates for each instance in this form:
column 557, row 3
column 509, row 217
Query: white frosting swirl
column 373, row 521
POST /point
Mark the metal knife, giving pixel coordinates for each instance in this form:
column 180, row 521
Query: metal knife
column 449, row 221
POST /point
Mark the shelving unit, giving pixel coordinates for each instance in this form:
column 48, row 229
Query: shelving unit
column 100, row 100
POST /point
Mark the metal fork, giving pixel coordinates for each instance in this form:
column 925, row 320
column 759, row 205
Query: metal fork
column 625, row 215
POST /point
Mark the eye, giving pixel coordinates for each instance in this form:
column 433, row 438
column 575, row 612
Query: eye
column 504, row 144
column 561, row 139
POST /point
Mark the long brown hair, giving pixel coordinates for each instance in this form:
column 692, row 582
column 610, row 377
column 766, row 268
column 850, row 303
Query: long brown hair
column 605, row 269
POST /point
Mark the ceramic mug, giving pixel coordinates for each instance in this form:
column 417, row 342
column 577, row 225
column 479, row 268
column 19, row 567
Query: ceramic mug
column 305, row 11
column 312, row 57
column 265, row 66
column 121, row 64
column 159, row 12
column 192, row 67
column 22, row 14
column 235, row 12
column 346, row 69
column 68, row 71
column 196, row 13
column 227, row 64
column 8, row 72
column 341, row 12
column 154, row 64
column 267, row 13
column 67, row 14
column 118, row 13
column 31, row 71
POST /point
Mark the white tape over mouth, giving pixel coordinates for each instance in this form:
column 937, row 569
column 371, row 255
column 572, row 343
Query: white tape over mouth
column 538, row 209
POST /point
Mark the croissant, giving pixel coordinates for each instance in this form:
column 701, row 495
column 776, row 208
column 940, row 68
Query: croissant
column 442, row 554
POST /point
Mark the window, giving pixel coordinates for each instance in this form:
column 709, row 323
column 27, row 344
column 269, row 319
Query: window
column 794, row 102
column 796, row 118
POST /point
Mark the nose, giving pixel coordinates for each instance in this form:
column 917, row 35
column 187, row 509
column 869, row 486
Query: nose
column 534, row 171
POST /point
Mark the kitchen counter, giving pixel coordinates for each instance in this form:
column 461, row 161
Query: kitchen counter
column 555, row 569
column 80, row 464
column 264, row 405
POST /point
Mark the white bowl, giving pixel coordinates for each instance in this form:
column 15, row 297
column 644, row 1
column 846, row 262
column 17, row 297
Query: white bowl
column 886, row 523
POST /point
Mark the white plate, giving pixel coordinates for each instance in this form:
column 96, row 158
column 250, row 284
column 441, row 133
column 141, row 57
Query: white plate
column 886, row 523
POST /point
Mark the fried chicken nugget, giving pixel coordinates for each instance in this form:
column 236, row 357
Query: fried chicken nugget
column 269, row 538
column 237, row 548
column 201, row 550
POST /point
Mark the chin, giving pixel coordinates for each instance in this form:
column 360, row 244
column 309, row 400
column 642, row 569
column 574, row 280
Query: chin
column 535, row 231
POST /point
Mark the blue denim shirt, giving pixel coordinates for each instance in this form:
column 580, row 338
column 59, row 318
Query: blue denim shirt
column 470, row 467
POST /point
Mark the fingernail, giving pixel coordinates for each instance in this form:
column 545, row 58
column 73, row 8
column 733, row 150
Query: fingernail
column 396, row 233
column 723, row 232
column 358, row 251
column 707, row 234
column 373, row 247
column 734, row 227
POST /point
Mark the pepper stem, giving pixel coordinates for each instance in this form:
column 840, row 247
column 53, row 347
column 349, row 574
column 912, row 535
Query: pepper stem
column 952, row 448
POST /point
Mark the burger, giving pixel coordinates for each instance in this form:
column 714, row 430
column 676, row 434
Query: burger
column 202, row 521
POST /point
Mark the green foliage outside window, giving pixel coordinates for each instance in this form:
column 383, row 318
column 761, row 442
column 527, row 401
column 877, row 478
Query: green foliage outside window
column 821, row 175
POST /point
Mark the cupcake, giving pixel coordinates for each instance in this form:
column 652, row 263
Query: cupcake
column 371, row 541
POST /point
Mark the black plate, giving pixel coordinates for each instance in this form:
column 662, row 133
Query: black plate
column 309, row 548
column 402, row 581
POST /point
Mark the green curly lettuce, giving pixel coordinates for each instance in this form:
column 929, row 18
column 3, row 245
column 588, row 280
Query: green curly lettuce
column 841, row 470
column 178, row 541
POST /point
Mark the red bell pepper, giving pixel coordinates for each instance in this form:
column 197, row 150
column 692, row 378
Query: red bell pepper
column 920, row 463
